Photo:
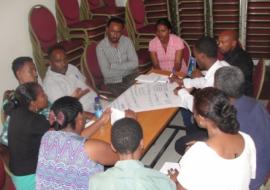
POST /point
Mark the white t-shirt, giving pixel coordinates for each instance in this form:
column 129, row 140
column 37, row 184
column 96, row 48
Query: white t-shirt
column 57, row 85
column 201, row 82
column 203, row 169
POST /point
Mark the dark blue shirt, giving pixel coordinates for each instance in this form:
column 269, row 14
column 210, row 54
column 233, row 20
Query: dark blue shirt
column 255, row 121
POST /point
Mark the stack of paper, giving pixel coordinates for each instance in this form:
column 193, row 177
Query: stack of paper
column 169, row 165
column 152, row 77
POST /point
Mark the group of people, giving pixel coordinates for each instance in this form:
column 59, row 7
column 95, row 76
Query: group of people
column 50, row 148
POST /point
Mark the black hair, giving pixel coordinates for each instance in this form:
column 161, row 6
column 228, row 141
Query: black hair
column 213, row 104
column 116, row 20
column 23, row 96
column 70, row 107
column 126, row 135
column 230, row 80
column 19, row 62
column 165, row 22
column 55, row 47
column 208, row 46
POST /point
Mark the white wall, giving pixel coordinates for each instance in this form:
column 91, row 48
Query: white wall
column 14, row 36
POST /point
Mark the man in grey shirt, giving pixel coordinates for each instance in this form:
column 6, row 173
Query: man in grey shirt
column 117, row 58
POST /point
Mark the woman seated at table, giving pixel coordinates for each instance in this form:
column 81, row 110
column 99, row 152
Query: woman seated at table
column 166, row 49
column 67, row 160
column 227, row 160
column 26, row 127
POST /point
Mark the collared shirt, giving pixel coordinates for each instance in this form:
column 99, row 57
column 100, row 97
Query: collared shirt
column 201, row 82
column 116, row 63
column 57, row 85
column 255, row 121
column 202, row 168
column 132, row 175
column 166, row 58
column 241, row 59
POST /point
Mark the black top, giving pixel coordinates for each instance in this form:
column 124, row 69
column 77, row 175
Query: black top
column 241, row 59
column 24, row 135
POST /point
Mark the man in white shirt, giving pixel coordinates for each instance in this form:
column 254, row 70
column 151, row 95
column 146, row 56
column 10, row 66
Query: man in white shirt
column 63, row 79
column 205, row 52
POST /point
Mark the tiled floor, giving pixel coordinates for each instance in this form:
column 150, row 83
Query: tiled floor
column 169, row 154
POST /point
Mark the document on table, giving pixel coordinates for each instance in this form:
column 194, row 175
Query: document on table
column 152, row 77
column 147, row 96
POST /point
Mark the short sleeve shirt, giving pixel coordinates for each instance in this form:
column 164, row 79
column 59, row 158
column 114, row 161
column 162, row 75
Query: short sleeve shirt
column 166, row 58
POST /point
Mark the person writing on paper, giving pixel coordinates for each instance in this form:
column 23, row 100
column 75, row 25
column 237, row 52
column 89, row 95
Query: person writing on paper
column 129, row 172
column 166, row 49
column 227, row 160
column 66, row 160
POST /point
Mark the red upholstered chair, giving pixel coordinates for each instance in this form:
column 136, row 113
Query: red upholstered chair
column 101, row 8
column 258, row 78
column 139, row 31
column 43, row 34
column 91, row 70
column 70, row 25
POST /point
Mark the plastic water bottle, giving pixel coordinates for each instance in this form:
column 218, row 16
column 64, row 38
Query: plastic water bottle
column 98, row 107
column 191, row 66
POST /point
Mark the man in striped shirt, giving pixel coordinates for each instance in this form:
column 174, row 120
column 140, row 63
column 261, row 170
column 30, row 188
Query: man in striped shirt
column 117, row 58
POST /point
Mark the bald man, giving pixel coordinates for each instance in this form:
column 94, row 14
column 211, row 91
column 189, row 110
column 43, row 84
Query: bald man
column 235, row 55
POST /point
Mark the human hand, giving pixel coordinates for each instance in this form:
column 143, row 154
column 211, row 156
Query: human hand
column 106, row 116
column 78, row 92
column 175, row 78
column 196, row 74
column 130, row 114
column 175, row 91
column 173, row 173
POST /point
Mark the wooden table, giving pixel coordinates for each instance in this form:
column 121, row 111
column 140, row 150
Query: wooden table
column 152, row 122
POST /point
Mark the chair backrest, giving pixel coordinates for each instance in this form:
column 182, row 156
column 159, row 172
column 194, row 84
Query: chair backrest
column 186, row 52
column 93, row 4
column 70, row 10
column 258, row 78
column 91, row 67
column 137, row 12
column 43, row 27
column 110, row 3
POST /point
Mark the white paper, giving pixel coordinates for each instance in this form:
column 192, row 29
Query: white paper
column 89, row 123
column 168, row 165
column 148, row 96
column 152, row 77
column 116, row 115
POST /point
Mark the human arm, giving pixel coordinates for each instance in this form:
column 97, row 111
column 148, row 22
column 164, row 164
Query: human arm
column 154, row 59
column 173, row 174
column 178, row 60
column 186, row 99
column 89, row 131
column 100, row 152
column 195, row 83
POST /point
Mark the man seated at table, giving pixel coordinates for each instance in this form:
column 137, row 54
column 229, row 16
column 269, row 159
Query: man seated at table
column 117, row 58
column 234, row 54
column 205, row 52
column 63, row 79
column 251, row 115
column 129, row 172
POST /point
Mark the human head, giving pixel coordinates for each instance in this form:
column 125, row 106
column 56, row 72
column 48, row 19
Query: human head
column 67, row 112
column 29, row 95
column 205, row 49
column 126, row 136
column 227, row 41
column 211, row 105
column 230, row 80
column 163, row 29
column 58, row 59
column 24, row 70
column 114, row 29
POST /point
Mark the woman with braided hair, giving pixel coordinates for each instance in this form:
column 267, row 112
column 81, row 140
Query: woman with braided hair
column 227, row 159
column 67, row 160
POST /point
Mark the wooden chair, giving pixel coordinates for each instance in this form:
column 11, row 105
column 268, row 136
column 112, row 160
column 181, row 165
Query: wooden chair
column 137, row 26
column 258, row 78
column 70, row 25
column 43, row 35
column 100, row 8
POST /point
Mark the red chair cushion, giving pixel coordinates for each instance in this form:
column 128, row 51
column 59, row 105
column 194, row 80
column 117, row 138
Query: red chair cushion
column 150, row 28
column 70, row 10
column 92, row 62
column 137, row 12
column 44, row 26
column 110, row 3
column 72, row 44
column 93, row 4
column 89, row 23
column 109, row 10
column 144, row 57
